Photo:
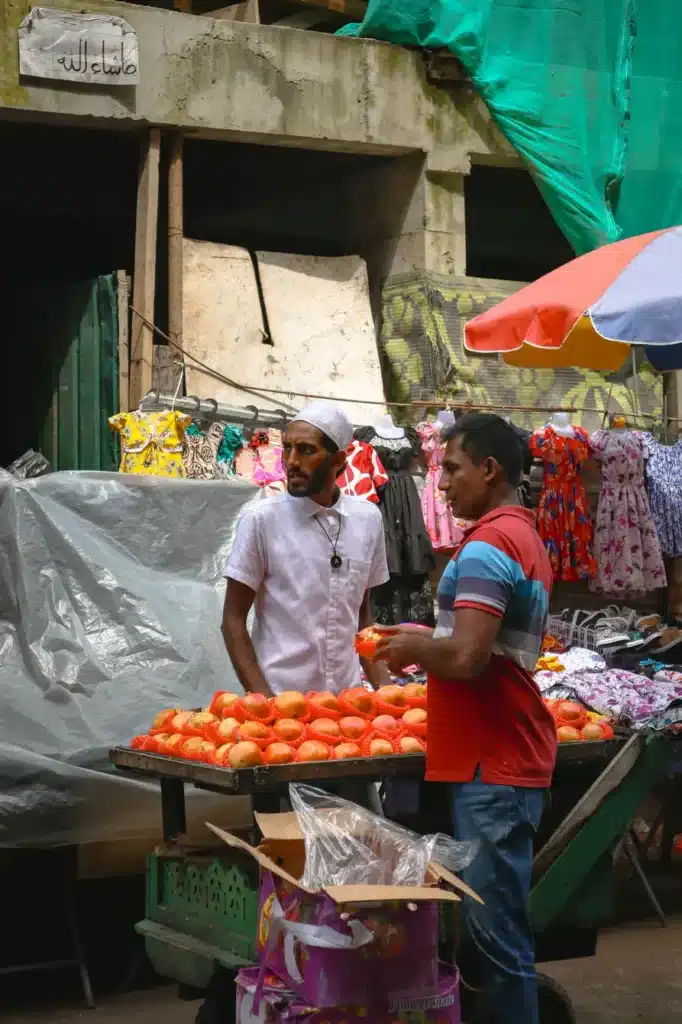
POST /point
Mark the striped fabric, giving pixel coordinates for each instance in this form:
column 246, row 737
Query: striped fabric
column 497, row 722
column 501, row 569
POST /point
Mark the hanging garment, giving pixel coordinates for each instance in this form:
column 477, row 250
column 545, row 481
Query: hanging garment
column 151, row 441
column 664, row 478
column 563, row 518
column 231, row 443
column 626, row 547
column 444, row 530
column 408, row 548
column 200, row 451
column 403, row 599
column 364, row 475
column 260, row 462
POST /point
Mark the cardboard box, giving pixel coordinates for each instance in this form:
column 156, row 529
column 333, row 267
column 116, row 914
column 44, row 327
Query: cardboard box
column 274, row 1004
column 360, row 945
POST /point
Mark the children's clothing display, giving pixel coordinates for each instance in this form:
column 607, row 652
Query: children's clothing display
column 200, row 451
column 563, row 518
column 260, row 461
column 151, row 442
column 664, row 479
column 231, row 443
column 364, row 475
column 626, row 546
column 409, row 552
column 444, row 530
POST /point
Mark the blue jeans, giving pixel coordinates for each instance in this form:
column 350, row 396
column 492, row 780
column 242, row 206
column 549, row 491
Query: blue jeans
column 503, row 820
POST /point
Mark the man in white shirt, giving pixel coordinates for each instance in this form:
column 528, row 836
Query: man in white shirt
column 307, row 559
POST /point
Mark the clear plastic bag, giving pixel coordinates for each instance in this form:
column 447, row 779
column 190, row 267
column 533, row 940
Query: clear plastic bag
column 348, row 845
column 29, row 465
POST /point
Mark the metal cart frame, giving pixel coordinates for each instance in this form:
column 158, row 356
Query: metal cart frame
column 572, row 894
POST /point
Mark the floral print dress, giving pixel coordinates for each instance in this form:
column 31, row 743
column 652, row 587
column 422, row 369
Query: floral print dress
column 444, row 530
column 664, row 476
column 627, row 549
column 563, row 519
column 151, row 441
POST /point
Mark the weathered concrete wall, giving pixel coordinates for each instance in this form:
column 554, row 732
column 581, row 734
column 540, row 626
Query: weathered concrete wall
column 265, row 84
column 323, row 339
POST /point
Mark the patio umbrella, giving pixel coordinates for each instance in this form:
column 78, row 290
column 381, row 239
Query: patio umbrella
column 589, row 312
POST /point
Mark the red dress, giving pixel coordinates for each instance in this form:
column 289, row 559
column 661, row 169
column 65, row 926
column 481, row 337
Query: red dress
column 563, row 518
column 364, row 473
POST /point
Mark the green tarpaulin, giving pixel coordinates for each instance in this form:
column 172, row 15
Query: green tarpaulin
column 589, row 92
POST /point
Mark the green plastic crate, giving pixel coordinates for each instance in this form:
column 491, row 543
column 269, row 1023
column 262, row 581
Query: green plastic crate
column 202, row 911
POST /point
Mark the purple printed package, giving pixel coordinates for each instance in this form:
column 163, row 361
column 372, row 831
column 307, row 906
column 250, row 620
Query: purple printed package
column 370, row 957
column 338, row 945
column 277, row 1005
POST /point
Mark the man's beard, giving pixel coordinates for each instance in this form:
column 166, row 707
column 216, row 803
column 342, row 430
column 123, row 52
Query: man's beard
column 313, row 484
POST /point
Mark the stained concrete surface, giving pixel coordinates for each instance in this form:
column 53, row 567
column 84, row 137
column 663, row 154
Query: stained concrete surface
column 636, row 976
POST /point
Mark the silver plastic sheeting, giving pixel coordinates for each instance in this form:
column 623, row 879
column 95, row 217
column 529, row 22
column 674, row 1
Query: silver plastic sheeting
column 111, row 595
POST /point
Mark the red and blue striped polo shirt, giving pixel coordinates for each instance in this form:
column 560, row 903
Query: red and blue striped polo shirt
column 498, row 720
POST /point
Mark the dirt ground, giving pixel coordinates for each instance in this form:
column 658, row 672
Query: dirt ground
column 636, row 976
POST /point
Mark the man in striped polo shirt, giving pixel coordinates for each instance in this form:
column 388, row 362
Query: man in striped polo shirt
column 489, row 732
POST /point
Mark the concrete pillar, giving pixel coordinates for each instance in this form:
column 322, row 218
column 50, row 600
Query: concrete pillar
column 433, row 238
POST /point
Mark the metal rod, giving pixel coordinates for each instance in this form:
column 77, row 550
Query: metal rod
column 208, row 409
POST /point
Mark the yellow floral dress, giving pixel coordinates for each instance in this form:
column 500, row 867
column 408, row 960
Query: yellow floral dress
column 151, row 441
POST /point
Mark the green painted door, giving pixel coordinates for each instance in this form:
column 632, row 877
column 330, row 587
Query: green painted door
column 81, row 320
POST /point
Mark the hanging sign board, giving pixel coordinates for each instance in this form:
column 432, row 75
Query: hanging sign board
column 94, row 49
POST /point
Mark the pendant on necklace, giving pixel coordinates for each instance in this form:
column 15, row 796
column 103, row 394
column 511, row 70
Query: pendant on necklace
column 335, row 561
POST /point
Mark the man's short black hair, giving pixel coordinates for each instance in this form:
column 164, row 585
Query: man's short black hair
column 483, row 435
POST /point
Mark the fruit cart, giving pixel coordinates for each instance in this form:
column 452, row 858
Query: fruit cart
column 201, row 912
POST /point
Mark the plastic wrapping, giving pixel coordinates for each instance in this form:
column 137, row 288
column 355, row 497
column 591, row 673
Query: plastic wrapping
column 111, row 590
column 28, row 465
column 587, row 91
column 348, row 845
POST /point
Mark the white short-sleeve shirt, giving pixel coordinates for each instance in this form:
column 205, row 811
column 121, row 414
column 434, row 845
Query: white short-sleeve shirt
column 306, row 612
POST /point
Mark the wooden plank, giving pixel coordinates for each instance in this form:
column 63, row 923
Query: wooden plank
column 352, row 9
column 249, row 11
column 254, row 780
column 175, row 240
column 610, row 779
column 144, row 282
column 123, row 294
column 165, row 370
column 248, row 781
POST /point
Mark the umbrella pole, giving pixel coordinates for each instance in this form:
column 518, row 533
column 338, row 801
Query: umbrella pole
column 634, row 380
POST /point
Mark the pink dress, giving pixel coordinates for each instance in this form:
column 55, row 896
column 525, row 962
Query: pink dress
column 443, row 528
column 260, row 462
column 628, row 552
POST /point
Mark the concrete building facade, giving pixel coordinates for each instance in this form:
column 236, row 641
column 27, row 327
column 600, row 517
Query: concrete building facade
column 285, row 87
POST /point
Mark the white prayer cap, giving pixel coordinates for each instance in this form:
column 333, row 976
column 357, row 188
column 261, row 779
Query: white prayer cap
column 330, row 419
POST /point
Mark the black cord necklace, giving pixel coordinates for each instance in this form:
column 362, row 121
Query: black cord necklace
column 335, row 561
